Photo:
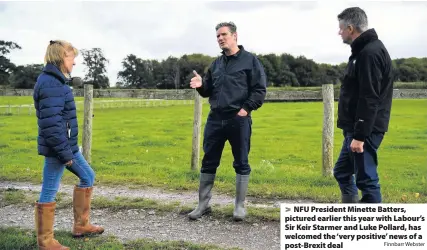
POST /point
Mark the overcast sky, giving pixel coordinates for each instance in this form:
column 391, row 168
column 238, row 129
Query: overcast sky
column 156, row 30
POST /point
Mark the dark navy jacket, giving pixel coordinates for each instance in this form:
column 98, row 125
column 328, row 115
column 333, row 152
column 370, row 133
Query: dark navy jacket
column 367, row 90
column 56, row 113
column 235, row 82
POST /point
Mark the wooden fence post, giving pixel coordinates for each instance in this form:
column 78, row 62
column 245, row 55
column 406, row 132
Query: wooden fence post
column 328, row 129
column 197, row 125
column 87, row 121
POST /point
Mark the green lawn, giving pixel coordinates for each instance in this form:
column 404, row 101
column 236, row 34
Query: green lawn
column 152, row 147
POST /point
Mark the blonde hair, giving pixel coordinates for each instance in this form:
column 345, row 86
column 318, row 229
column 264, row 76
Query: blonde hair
column 56, row 52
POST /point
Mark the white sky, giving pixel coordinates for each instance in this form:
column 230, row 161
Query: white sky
column 156, row 30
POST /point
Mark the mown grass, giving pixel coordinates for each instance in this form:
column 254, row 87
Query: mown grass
column 152, row 147
column 15, row 239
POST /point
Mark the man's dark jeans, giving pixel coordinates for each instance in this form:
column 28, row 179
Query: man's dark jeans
column 237, row 130
column 363, row 166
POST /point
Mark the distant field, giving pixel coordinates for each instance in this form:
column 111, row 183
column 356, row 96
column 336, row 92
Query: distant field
column 152, row 147
column 23, row 100
column 17, row 105
column 410, row 85
column 396, row 85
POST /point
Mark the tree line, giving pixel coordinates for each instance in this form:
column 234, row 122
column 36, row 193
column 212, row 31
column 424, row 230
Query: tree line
column 176, row 72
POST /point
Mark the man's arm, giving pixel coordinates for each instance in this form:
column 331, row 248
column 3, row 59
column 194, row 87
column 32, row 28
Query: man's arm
column 206, row 89
column 369, row 79
column 257, row 88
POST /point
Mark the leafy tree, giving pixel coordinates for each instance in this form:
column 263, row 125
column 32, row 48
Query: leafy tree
column 6, row 66
column 25, row 77
column 95, row 62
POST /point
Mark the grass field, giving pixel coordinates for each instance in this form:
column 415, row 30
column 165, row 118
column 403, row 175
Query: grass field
column 152, row 147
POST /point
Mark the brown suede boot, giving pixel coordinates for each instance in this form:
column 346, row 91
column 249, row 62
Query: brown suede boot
column 81, row 209
column 44, row 214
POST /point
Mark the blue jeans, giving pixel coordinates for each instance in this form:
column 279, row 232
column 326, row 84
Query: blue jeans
column 237, row 130
column 53, row 171
column 363, row 166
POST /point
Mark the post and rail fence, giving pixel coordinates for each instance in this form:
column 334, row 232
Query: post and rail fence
column 327, row 96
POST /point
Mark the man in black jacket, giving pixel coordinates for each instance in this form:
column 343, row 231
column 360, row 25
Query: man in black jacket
column 364, row 108
column 236, row 85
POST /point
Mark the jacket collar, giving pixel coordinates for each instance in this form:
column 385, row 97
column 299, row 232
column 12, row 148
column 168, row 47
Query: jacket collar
column 236, row 54
column 361, row 41
column 53, row 70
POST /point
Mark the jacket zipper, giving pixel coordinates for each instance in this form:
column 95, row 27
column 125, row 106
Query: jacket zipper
column 222, row 83
column 68, row 130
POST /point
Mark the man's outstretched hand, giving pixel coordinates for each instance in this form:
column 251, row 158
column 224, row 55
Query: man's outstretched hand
column 196, row 81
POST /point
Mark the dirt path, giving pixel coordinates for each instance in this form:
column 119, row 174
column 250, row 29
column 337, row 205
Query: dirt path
column 185, row 198
column 135, row 224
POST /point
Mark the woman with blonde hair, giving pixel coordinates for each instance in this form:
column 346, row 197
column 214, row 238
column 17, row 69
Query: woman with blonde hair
column 57, row 142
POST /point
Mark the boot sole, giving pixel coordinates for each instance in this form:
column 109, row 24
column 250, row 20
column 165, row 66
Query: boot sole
column 238, row 218
column 87, row 234
column 47, row 248
column 206, row 211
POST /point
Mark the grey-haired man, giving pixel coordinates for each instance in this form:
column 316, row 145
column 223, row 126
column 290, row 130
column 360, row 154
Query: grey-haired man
column 364, row 108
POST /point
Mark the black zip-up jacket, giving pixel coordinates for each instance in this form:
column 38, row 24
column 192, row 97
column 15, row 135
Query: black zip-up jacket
column 367, row 89
column 234, row 82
